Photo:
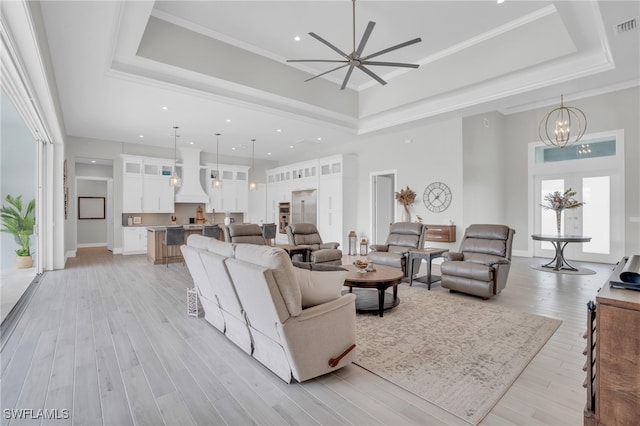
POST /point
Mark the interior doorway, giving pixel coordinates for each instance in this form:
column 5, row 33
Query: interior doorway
column 94, row 178
column 382, row 204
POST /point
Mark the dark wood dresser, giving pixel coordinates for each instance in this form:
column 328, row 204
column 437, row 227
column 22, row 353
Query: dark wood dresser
column 613, row 350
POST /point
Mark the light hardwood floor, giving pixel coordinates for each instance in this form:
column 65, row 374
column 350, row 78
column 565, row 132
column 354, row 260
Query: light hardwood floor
column 109, row 340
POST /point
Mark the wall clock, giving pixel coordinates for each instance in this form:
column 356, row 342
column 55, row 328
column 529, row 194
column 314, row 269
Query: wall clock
column 437, row 197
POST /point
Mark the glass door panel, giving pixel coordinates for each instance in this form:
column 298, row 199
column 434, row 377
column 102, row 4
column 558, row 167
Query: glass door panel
column 596, row 214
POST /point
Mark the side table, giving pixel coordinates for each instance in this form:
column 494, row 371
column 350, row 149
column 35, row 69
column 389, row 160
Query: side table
column 428, row 254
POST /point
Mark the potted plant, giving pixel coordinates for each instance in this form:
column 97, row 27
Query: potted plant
column 20, row 224
column 406, row 197
column 558, row 202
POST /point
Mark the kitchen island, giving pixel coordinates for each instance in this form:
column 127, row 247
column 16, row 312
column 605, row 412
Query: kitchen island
column 155, row 236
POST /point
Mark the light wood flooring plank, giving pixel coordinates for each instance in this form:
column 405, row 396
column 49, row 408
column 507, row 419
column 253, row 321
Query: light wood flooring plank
column 125, row 352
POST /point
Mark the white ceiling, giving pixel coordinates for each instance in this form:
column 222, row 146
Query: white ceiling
column 117, row 64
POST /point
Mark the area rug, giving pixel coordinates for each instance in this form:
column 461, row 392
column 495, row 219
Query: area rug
column 580, row 271
column 460, row 354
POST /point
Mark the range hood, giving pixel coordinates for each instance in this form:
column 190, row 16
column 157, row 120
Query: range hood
column 191, row 190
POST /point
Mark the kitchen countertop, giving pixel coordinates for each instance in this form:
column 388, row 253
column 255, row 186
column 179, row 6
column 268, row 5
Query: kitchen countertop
column 186, row 227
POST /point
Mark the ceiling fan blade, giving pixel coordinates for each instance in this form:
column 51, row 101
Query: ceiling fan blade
column 372, row 75
column 321, row 40
column 326, row 72
column 390, row 64
column 365, row 37
column 317, row 60
column 392, row 48
column 347, row 77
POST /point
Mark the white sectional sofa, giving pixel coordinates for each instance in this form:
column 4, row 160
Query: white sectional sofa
column 254, row 295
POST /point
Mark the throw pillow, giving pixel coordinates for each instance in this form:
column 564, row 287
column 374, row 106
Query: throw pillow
column 319, row 287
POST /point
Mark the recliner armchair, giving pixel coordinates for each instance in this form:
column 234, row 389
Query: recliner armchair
column 403, row 236
column 244, row 233
column 307, row 234
column 482, row 265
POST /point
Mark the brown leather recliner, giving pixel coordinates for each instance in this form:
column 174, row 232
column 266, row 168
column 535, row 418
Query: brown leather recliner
column 244, row 233
column 307, row 234
column 403, row 236
column 482, row 265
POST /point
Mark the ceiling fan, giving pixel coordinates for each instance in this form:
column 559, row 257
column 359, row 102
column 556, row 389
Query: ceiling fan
column 354, row 59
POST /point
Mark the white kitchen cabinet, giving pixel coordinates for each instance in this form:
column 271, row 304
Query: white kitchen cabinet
column 233, row 197
column 158, row 195
column 336, row 198
column 334, row 179
column 145, row 185
column 134, row 240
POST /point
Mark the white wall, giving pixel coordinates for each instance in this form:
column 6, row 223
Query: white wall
column 611, row 111
column 18, row 170
column 483, row 169
column 434, row 154
column 91, row 232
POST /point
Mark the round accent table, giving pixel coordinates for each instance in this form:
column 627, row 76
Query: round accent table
column 559, row 242
column 381, row 279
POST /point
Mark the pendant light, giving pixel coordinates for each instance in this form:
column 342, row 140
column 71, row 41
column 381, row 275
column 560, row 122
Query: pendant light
column 562, row 126
column 216, row 182
column 175, row 180
column 253, row 186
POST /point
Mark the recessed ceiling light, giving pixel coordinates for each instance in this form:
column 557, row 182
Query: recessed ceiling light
column 319, row 138
column 268, row 153
column 278, row 130
column 141, row 136
column 165, row 108
column 228, row 120
column 191, row 143
column 93, row 161
column 233, row 148
column 500, row 1
column 290, row 146
column 297, row 38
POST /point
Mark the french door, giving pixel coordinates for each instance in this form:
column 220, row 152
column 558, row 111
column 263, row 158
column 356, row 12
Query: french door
column 593, row 169
column 596, row 218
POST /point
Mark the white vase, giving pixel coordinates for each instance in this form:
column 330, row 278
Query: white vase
column 406, row 215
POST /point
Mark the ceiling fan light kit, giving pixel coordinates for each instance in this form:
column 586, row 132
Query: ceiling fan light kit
column 355, row 58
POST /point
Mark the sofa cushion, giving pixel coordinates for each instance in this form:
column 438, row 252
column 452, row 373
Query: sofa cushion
column 280, row 264
column 321, row 285
column 468, row 270
column 198, row 241
column 221, row 248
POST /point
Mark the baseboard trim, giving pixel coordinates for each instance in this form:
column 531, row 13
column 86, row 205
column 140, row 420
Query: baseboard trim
column 521, row 253
column 85, row 245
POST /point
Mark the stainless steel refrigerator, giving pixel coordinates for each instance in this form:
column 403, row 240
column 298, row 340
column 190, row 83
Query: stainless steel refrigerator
column 303, row 206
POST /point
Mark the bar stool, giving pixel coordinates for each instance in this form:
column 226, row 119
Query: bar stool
column 269, row 232
column 173, row 236
column 211, row 231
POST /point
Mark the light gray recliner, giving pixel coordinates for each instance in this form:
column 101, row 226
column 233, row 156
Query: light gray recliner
column 403, row 236
column 482, row 265
column 244, row 233
column 307, row 234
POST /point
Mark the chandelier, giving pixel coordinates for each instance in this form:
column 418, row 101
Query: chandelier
column 562, row 126
column 175, row 180
column 253, row 186
column 216, row 182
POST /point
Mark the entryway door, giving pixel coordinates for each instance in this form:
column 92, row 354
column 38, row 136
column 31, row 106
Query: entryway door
column 598, row 218
column 594, row 169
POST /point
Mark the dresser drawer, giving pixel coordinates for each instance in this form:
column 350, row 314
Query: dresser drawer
column 442, row 233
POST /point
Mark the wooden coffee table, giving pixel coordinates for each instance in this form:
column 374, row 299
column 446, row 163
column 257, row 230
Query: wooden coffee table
column 381, row 279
